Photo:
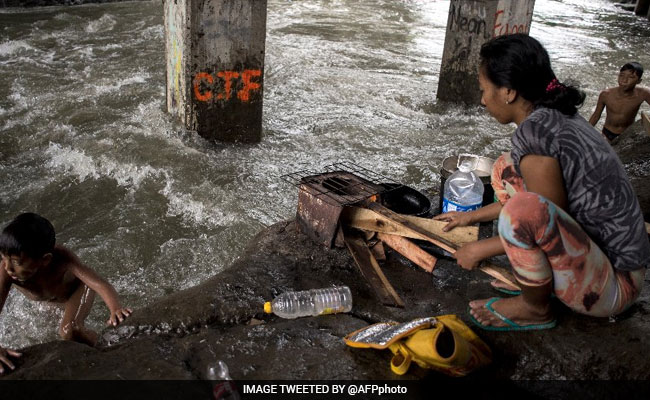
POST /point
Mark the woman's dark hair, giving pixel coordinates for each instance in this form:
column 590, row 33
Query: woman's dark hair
column 28, row 233
column 521, row 63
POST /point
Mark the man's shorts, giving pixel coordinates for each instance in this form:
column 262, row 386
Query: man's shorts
column 609, row 134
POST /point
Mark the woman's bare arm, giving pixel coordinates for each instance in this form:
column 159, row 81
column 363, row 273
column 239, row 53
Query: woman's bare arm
column 543, row 175
column 483, row 214
column 471, row 254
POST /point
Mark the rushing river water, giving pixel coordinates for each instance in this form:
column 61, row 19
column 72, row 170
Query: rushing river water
column 85, row 139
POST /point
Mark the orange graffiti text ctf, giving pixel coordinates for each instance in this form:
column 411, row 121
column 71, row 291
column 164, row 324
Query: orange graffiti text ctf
column 229, row 79
column 244, row 93
column 202, row 96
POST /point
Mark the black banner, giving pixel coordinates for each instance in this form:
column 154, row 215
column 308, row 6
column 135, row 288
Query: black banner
column 443, row 388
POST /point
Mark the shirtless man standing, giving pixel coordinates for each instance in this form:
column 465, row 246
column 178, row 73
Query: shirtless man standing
column 622, row 102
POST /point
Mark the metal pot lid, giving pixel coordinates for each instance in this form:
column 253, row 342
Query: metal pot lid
column 483, row 164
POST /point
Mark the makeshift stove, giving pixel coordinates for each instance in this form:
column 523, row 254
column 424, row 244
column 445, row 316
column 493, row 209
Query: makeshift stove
column 322, row 197
column 342, row 207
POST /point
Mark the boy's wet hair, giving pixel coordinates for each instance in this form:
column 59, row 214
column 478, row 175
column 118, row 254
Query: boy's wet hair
column 28, row 233
column 521, row 63
column 633, row 66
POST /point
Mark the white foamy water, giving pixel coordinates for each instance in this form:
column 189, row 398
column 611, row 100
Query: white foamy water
column 113, row 86
column 105, row 23
column 12, row 48
column 80, row 166
column 85, row 139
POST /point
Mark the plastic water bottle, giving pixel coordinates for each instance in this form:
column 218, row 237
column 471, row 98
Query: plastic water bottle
column 224, row 390
column 218, row 371
column 311, row 302
column 463, row 190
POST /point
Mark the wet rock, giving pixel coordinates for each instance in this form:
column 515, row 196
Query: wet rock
column 626, row 7
column 179, row 335
column 633, row 148
column 281, row 258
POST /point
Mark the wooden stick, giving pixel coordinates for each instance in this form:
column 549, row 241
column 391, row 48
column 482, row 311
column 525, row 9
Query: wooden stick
column 368, row 220
column 499, row 273
column 371, row 271
column 377, row 250
column 409, row 250
column 494, row 271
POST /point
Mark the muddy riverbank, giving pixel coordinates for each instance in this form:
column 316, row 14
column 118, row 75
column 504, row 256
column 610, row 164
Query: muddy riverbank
column 178, row 335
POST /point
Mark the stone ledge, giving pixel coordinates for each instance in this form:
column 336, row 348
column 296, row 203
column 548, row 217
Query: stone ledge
column 222, row 318
column 213, row 319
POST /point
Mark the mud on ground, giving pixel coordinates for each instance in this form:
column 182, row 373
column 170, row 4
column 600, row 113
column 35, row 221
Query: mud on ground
column 177, row 336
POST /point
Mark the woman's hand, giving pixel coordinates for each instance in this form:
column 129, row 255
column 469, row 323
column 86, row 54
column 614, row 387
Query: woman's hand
column 455, row 219
column 4, row 359
column 118, row 316
column 469, row 255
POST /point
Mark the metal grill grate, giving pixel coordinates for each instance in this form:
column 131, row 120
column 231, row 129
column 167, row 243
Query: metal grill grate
column 342, row 183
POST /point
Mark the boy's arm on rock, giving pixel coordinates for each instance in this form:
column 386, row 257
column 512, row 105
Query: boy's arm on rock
column 105, row 290
column 4, row 358
column 5, row 285
column 599, row 109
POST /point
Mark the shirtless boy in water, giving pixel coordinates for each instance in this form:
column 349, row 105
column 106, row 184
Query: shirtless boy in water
column 43, row 271
column 622, row 102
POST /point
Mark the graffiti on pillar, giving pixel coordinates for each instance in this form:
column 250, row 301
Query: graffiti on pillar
column 513, row 17
column 505, row 26
column 473, row 22
column 176, row 67
column 226, row 85
column 174, row 60
column 459, row 61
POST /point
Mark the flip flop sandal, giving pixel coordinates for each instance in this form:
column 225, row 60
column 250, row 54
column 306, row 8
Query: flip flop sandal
column 512, row 326
column 512, row 292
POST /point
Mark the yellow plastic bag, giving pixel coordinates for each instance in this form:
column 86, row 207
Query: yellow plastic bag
column 442, row 343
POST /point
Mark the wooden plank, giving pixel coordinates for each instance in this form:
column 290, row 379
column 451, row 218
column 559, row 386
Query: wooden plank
column 365, row 219
column 495, row 271
column 409, row 250
column 377, row 250
column 647, row 228
column 406, row 226
column 499, row 273
column 371, row 271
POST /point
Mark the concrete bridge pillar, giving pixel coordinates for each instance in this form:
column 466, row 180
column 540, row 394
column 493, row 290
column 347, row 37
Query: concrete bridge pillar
column 470, row 24
column 215, row 66
column 642, row 7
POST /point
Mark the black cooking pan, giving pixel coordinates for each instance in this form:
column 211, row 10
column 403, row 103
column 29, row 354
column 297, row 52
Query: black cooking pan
column 405, row 200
